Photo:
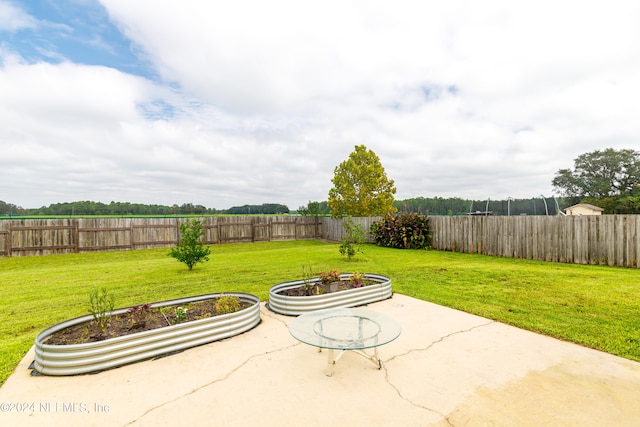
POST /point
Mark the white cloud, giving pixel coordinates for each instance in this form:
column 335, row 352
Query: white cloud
column 259, row 101
column 12, row 18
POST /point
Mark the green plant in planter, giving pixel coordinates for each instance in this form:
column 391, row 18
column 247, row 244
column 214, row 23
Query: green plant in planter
column 329, row 276
column 227, row 304
column 181, row 314
column 357, row 280
column 309, row 285
column 101, row 305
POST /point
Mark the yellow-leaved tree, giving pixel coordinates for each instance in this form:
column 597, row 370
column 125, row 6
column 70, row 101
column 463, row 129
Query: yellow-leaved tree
column 361, row 187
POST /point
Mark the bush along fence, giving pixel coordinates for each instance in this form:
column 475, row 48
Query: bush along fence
column 58, row 236
column 603, row 240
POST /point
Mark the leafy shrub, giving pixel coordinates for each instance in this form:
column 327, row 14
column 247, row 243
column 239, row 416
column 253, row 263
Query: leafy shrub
column 191, row 250
column 329, row 276
column 227, row 304
column 403, row 231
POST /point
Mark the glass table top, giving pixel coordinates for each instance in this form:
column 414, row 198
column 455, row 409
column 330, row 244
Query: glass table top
column 344, row 329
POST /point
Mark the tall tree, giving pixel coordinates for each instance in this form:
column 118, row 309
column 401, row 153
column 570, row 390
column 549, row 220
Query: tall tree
column 599, row 174
column 361, row 186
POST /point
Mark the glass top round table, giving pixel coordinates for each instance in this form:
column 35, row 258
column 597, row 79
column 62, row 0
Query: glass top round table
column 345, row 329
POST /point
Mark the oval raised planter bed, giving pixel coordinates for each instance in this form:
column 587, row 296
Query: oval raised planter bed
column 379, row 290
column 73, row 359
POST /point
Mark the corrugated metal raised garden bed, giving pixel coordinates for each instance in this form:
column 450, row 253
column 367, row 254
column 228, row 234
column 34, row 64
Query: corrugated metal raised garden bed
column 321, row 296
column 88, row 357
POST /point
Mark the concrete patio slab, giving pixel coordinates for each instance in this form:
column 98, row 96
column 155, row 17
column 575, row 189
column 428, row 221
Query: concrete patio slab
column 447, row 368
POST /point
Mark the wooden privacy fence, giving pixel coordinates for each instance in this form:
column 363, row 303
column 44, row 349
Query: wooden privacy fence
column 333, row 228
column 57, row 236
column 604, row 240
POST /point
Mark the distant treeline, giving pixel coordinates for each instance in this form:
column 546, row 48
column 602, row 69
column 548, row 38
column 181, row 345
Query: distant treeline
column 265, row 209
column 431, row 206
column 120, row 208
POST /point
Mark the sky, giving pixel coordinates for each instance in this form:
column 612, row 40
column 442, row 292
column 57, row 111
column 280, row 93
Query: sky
column 226, row 103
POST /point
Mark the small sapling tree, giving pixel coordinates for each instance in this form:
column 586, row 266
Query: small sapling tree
column 353, row 237
column 191, row 250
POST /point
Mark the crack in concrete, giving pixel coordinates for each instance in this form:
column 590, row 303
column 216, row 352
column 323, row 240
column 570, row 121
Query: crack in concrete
column 271, row 315
column 218, row 380
column 427, row 348
column 386, row 372
column 441, row 339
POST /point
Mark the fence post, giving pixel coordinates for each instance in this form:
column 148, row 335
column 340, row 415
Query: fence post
column 9, row 238
column 76, row 235
column 131, row 235
column 253, row 229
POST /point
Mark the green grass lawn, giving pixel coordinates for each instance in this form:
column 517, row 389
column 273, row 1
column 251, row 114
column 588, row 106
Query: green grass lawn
column 594, row 306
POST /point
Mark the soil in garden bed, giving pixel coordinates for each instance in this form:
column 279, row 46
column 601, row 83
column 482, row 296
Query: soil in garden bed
column 143, row 320
column 319, row 288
